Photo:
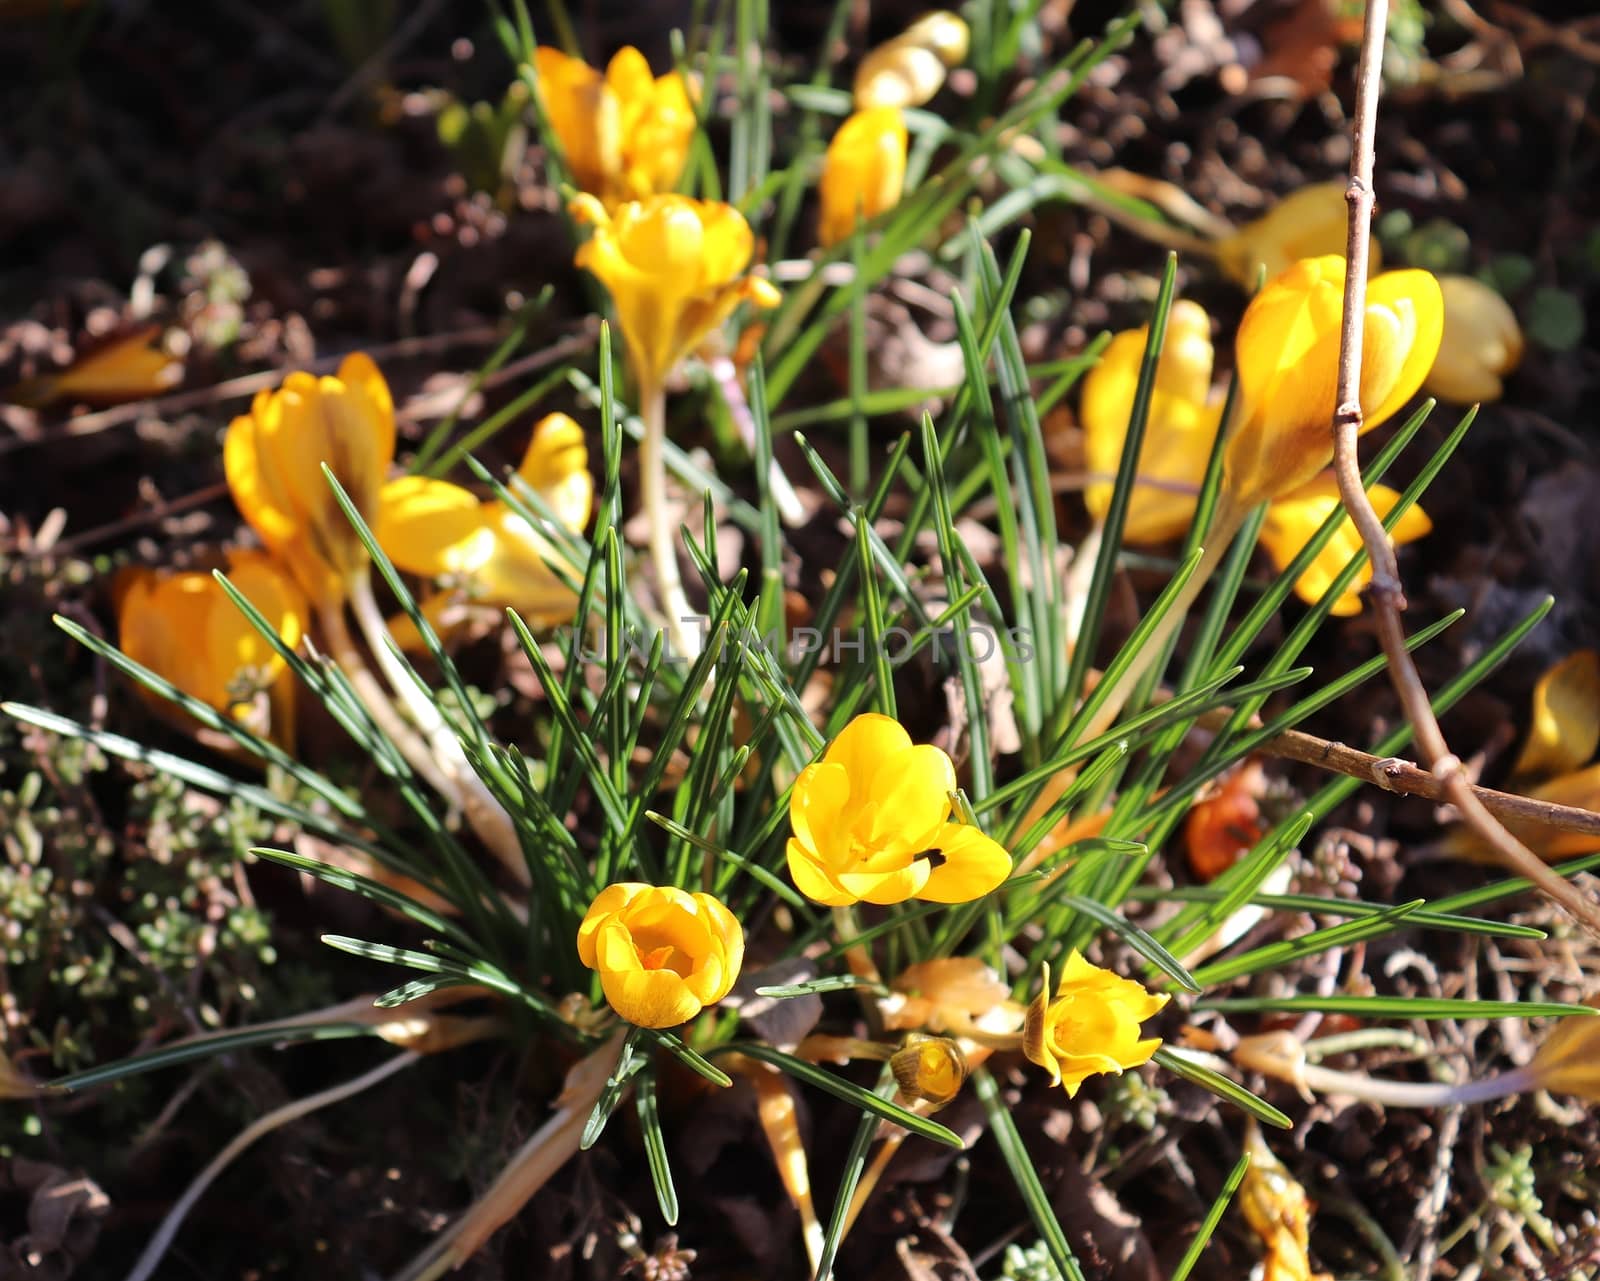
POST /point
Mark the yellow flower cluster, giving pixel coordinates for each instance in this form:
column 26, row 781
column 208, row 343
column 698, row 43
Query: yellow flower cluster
column 1286, row 351
column 183, row 627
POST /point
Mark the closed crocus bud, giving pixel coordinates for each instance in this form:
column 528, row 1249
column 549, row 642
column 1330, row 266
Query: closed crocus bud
column 624, row 135
column 184, row 628
column 1179, row 433
column 1304, row 224
column 872, row 824
column 438, row 530
column 273, row 459
column 863, row 173
column 1278, row 1210
column 1293, row 519
column 1091, row 1026
column 1482, row 343
column 931, row 1068
column 945, row 33
column 1287, row 353
column 675, row 271
column 663, row 954
column 130, row 367
column 910, row 69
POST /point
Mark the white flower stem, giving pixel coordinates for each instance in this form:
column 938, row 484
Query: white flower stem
column 486, row 815
column 376, row 700
column 663, row 542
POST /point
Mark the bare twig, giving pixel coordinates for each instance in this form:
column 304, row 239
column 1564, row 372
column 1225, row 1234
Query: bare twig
column 1395, row 775
column 1388, row 597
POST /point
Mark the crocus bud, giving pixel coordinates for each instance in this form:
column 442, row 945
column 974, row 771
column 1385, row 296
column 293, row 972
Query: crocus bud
column 1293, row 520
column 910, row 69
column 1481, row 344
column 929, row 1067
column 863, row 173
column 1304, row 224
column 1179, row 432
column 1287, row 353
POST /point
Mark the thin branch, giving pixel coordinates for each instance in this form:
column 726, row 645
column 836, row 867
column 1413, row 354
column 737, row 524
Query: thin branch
column 1395, row 775
column 1388, row 597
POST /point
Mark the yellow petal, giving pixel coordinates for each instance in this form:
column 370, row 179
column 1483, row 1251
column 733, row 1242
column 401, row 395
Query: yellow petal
column 973, row 865
column 863, row 173
column 1565, row 731
column 1307, row 223
column 1294, row 519
column 430, row 527
column 1287, row 354
column 1180, row 430
column 1481, row 343
column 556, row 467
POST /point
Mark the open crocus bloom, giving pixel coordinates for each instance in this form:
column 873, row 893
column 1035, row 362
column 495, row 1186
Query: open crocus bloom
column 872, row 823
column 1294, row 518
column 625, row 135
column 863, row 173
column 1288, row 355
column 184, row 628
column 674, row 268
column 1179, row 432
column 273, row 459
column 1091, row 1026
column 663, row 954
column 438, row 530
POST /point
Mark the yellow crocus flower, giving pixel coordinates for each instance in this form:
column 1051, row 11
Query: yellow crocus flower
column 931, row 1068
column 184, row 628
column 438, row 530
column 1307, row 223
column 675, row 270
column 1091, row 1025
column 273, row 459
column 1179, row 432
column 663, row 954
column 131, row 367
column 908, row 70
column 863, row 173
column 625, row 135
column 872, row 823
column 1293, row 519
column 1482, row 343
column 1287, row 352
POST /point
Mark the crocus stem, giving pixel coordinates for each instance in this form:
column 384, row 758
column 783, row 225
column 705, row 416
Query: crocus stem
column 486, row 815
column 376, row 700
column 1229, row 517
column 856, row 955
column 663, row 543
column 1282, row 1056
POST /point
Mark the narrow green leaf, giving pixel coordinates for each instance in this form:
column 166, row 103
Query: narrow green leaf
column 1396, row 1007
column 851, row 1093
column 1223, row 1088
column 1208, row 1225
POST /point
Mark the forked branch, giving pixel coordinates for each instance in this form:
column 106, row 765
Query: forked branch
column 1388, row 597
